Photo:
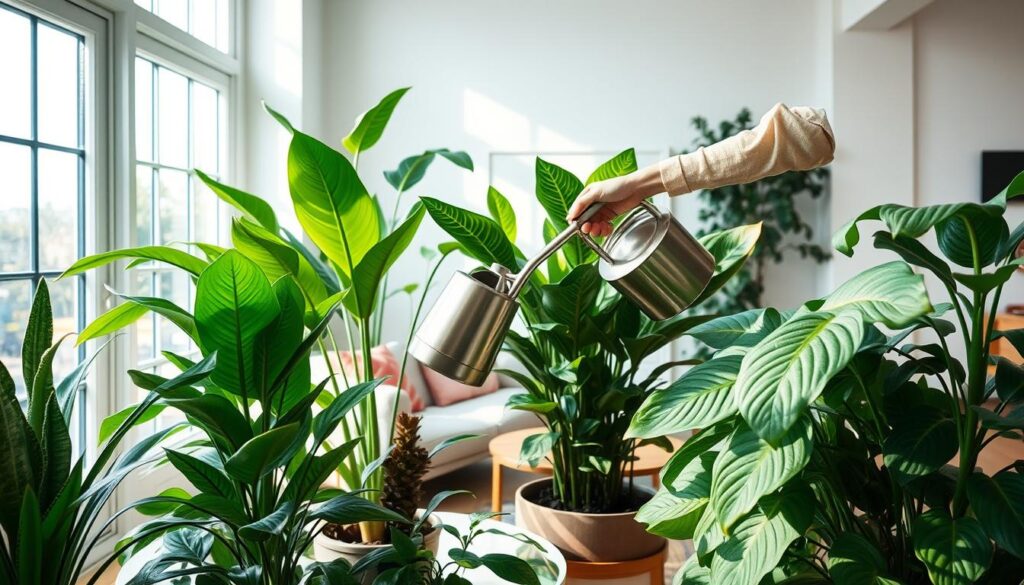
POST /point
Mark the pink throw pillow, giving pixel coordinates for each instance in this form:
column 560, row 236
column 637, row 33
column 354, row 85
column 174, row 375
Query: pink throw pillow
column 446, row 391
column 385, row 365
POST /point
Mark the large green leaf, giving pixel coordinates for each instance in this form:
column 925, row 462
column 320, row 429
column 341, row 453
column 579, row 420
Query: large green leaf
column 702, row 441
column 271, row 525
column 955, row 552
column 617, row 166
column 361, row 298
column 481, row 237
column 692, row 573
column 412, row 169
column 571, row 299
column 891, row 294
column 277, row 258
column 262, row 454
column 38, row 336
column 218, row 416
column 347, row 509
column 969, row 233
column 917, row 254
column 758, row 541
column 502, row 212
column 234, row 302
column 700, row 398
column 911, row 222
column 331, row 202
column 740, row 329
column 117, row 318
column 56, row 449
column 165, row 254
column 921, row 441
column 674, row 513
column 998, row 503
column 251, row 206
column 20, row 459
column 557, row 189
column 205, row 477
column 784, row 373
column 370, row 125
column 853, row 560
column 730, row 248
column 126, row 313
column 510, row 568
column 749, row 468
column 29, row 540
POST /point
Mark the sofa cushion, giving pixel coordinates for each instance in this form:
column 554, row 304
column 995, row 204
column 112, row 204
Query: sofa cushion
column 412, row 373
column 447, row 392
column 434, row 429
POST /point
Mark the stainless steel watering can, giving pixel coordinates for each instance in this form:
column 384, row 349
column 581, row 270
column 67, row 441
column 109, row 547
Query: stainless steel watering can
column 650, row 258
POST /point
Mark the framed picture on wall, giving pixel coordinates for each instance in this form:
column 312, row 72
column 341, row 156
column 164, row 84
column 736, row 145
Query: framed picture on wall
column 998, row 168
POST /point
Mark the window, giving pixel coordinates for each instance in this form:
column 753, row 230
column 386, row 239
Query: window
column 42, row 161
column 206, row 20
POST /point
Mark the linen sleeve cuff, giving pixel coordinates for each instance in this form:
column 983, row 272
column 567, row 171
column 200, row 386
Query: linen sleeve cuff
column 673, row 179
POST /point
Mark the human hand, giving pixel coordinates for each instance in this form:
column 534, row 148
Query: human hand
column 618, row 195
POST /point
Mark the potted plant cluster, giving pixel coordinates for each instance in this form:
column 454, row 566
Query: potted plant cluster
column 583, row 347
column 839, row 442
column 268, row 435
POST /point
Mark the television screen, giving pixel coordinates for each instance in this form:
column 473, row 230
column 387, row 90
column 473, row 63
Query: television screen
column 998, row 168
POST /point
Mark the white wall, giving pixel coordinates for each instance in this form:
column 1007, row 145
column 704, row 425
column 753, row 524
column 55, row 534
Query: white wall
column 573, row 76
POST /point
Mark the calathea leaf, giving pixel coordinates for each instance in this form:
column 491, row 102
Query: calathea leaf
column 955, row 552
column 703, row 441
column 481, row 237
column 749, row 467
column 370, row 125
column 998, row 503
column 890, row 293
column 692, row 573
column 700, row 398
column 746, row 328
column 557, row 189
column 621, row 164
column 730, row 248
column 855, row 561
column 784, row 373
column 922, row 439
column 970, row 232
column 674, row 514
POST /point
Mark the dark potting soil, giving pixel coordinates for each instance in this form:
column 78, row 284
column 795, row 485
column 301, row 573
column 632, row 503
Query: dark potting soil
column 350, row 533
column 627, row 503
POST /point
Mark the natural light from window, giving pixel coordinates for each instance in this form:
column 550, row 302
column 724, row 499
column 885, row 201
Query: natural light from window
column 206, row 20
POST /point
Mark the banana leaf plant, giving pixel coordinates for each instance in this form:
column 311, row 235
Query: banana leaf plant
column 357, row 245
column 582, row 344
column 259, row 459
column 51, row 499
column 826, row 432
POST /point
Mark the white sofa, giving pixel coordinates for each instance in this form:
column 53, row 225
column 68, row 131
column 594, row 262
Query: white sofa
column 485, row 416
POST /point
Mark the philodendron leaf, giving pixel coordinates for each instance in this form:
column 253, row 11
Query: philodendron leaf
column 853, row 560
column 998, row 503
column 922, row 439
column 502, row 212
column 784, row 373
column 955, row 552
column 749, row 468
column 331, row 202
column 674, row 514
column 758, row 541
column 536, row 447
column 890, row 293
column 700, row 398
column 617, row 166
column 481, row 237
column 730, row 248
column 370, row 126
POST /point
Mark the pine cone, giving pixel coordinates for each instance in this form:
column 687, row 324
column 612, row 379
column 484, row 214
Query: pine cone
column 404, row 470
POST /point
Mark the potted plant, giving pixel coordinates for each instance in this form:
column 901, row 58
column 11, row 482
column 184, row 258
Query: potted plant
column 583, row 347
column 826, row 431
column 52, row 500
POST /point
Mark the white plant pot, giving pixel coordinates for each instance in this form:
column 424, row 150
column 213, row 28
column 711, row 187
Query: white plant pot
column 327, row 549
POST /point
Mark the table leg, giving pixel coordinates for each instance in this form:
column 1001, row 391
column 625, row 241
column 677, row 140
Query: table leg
column 656, row 479
column 495, row 486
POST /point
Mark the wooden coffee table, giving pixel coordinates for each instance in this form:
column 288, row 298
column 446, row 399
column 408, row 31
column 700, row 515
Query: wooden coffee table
column 505, row 453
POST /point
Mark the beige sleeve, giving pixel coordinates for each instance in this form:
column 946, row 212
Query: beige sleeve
column 786, row 139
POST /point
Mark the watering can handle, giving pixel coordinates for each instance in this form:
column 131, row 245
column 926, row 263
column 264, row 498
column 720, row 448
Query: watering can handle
column 589, row 213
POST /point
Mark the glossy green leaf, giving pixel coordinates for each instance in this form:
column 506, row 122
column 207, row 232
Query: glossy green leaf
column 674, row 513
column 847, row 237
column 251, row 206
column 481, row 237
column 38, row 337
column 698, row 399
column 178, row 316
column 218, row 416
column 571, row 299
column 202, row 475
column 281, row 119
column 692, row 573
column 277, row 258
column 274, row 524
column 56, row 447
column 165, row 254
column 853, row 560
column 955, row 552
column 117, row 318
column 331, row 203
column 921, row 441
column 327, row 420
column 111, row 423
column 740, row 329
column 890, row 293
column 783, row 374
column 361, row 298
column 556, row 190
column 347, row 509
column 412, row 169
column 972, row 233
column 262, row 454
column 703, row 441
column 29, row 543
column 234, row 302
column 621, row 164
column 987, row 281
column 730, row 248
column 917, row 254
column 998, row 503
column 501, row 211
column 510, row 568
column 370, row 125
column 750, row 468
column 537, row 447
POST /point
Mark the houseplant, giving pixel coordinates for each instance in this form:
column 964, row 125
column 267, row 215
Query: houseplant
column 52, row 501
column 582, row 347
column 258, row 462
column 772, row 201
column 825, row 435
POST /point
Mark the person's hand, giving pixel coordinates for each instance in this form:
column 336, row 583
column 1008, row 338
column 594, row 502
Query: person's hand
column 618, row 195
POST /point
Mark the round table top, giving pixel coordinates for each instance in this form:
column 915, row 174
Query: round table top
column 505, row 450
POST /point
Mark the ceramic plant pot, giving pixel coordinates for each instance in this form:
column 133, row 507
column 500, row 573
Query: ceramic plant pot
column 327, row 549
column 586, row 537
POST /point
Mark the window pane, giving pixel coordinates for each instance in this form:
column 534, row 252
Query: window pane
column 143, row 110
column 174, row 12
column 173, row 285
column 15, row 215
column 143, row 205
column 173, row 206
column 204, row 128
column 16, row 71
column 172, row 108
column 58, row 209
column 205, row 214
column 59, row 87
column 64, row 300
column 15, row 302
column 223, row 26
column 204, row 21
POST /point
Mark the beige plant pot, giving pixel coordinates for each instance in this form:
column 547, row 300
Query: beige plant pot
column 586, row 537
column 327, row 549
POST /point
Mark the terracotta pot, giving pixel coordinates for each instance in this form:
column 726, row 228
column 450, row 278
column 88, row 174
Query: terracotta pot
column 327, row 549
column 586, row 537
